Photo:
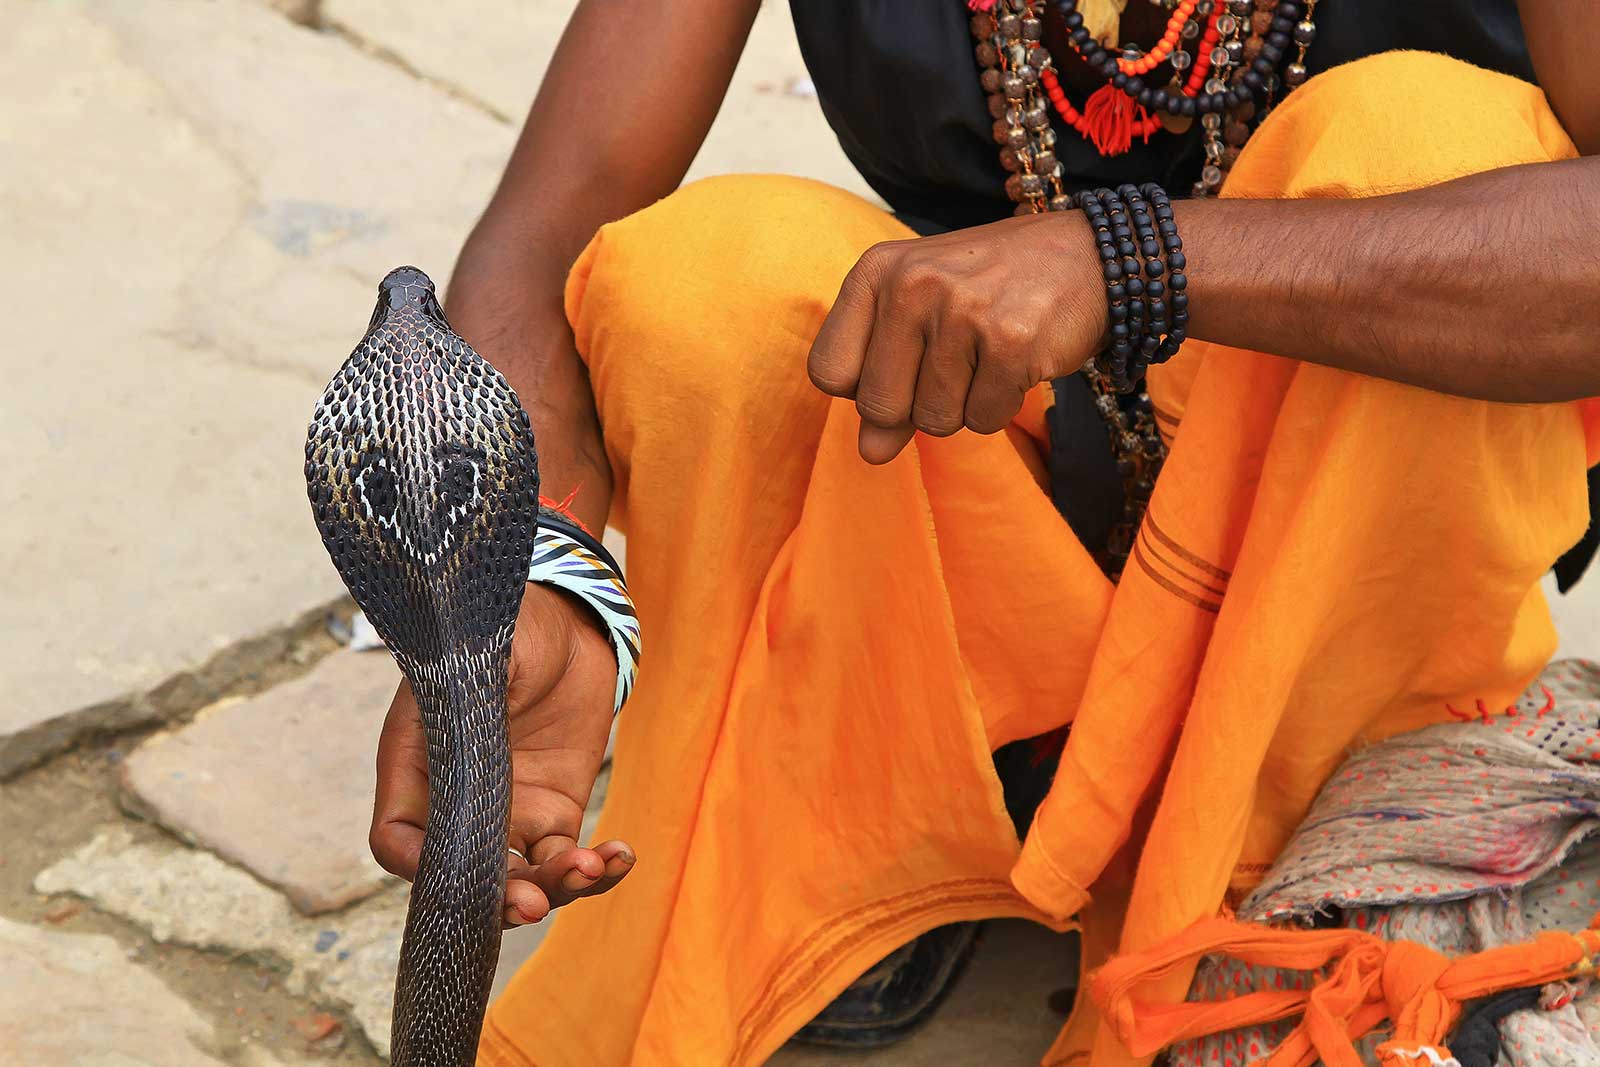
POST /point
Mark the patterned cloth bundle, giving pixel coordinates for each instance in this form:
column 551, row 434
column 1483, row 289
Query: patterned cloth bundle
column 1460, row 837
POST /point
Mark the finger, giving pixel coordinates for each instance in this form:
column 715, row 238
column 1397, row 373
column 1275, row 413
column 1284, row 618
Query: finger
column 841, row 344
column 400, row 802
column 994, row 399
column 889, row 372
column 525, row 903
column 619, row 860
column 566, row 875
column 879, row 444
column 943, row 382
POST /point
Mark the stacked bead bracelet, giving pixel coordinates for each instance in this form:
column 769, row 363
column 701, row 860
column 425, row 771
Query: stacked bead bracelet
column 568, row 557
column 1142, row 260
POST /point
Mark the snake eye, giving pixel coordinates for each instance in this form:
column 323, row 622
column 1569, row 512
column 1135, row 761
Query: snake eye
column 380, row 496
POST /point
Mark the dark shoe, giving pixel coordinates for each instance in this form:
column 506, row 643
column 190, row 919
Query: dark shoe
column 906, row 987
column 898, row 995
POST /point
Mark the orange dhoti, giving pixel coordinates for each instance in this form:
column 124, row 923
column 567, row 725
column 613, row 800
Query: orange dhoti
column 833, row 650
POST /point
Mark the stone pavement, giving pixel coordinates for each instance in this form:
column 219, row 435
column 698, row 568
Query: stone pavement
column 280, row 785
column 67, row 977
column 203, row 196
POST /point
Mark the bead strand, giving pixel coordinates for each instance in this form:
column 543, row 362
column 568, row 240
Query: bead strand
column 1176, row 265
column 1163, row 48
column 1158, row 322
column 1294, row 75
column 1045, row 138
column 1152, row 98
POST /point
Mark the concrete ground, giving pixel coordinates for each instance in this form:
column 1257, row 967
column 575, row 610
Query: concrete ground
column 197, row 199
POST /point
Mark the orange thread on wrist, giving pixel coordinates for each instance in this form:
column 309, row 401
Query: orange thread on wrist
column 564, row 508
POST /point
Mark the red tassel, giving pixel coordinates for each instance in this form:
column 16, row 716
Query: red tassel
column 981, row 5
column 1110, row 116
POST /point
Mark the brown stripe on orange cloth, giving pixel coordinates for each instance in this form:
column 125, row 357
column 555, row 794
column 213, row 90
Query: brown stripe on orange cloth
column 1202, row 584
column 1183, row 553
column 1168, row 584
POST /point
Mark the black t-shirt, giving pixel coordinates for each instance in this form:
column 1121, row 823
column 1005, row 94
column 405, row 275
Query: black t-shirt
column 899, row 85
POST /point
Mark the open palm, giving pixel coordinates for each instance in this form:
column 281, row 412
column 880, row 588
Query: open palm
column 563, row 674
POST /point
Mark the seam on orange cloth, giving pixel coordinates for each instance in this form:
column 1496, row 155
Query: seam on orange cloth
column 1034, row 848
column 801, row 969
column 1177, row 571
column 1171, row 586
column 495, row 1049
column 1165, row 416
column 1183, row 553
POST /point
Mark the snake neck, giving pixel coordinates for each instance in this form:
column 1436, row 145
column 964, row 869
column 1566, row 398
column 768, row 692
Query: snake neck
column 452, row 933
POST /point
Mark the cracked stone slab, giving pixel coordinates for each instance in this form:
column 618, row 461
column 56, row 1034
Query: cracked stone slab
column 72, row 999
column 190, row 897
column 280, row 784
column 494, row 55
column 206, row 196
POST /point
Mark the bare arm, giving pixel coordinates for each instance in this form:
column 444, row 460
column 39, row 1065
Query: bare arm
column 596, row 146
column 1487, row 287
column 1559, row 35
column 1381, row 286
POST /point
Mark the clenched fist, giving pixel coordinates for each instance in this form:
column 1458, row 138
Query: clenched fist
column 943, row 333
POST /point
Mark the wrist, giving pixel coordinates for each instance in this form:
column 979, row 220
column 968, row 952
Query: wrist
column 1081, row 291
column 567, row 557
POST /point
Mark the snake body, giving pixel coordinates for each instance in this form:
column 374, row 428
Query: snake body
column 424, row 483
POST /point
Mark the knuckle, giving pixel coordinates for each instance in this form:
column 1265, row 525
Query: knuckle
column 385, row 853
column 874, row 264
column 937, row 421
column 1009, row 336
column 985, row 422
column 880, row 255
column 920, row 278
column 880, row 410
column 826, row 376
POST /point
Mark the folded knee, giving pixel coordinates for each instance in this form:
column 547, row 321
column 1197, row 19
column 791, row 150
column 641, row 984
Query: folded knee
column 717, row 290
column 1396, row 121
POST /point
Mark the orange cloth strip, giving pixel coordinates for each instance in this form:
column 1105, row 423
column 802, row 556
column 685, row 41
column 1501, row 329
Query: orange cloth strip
column 1370, row 980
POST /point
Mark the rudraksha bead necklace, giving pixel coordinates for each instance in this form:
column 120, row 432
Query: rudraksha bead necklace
column 1231, row 74
column 1223, row 56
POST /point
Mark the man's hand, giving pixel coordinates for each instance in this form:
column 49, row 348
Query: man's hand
column 563, row 677
column 940, row 333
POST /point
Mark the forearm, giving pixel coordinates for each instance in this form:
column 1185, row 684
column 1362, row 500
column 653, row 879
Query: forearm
column 594, row 148
column 1485, row 287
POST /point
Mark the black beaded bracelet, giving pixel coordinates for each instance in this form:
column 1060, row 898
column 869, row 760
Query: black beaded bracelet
column 1132, row 283
column 1123, row 335
column 1155, row 292
column 1147, row 303
column 1158, row 98
column 1176, row 264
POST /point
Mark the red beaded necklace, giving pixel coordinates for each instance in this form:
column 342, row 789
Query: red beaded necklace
column 1109, row 120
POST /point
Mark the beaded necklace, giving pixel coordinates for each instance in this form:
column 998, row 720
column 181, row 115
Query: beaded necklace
column 1230, row 50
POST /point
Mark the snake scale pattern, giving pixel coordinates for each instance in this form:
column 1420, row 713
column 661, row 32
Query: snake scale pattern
column 424, row 483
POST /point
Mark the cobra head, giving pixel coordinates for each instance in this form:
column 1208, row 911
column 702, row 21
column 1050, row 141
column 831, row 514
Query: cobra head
column 423, row 480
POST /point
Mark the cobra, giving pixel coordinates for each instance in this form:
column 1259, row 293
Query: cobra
column 424, row 483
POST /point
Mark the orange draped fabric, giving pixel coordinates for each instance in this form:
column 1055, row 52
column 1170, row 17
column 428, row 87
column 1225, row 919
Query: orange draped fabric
column 1369, row 980
column 835, row 649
